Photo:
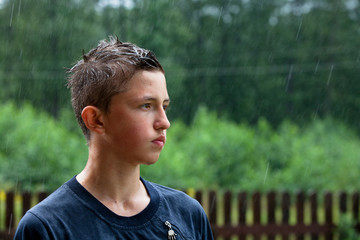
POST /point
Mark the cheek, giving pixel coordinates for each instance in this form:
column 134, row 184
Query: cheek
column 133, row 133
column 131, row 127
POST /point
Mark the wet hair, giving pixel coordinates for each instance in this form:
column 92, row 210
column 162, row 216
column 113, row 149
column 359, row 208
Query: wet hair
column 104, row 72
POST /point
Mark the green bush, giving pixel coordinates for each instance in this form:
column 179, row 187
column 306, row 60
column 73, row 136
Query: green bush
column 322, row 156
column 216, row 153
column 38, row 152
column 211, row 153
column 345, row 229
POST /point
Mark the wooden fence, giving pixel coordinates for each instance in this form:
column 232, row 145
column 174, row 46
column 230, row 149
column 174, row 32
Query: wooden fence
column 242, row 215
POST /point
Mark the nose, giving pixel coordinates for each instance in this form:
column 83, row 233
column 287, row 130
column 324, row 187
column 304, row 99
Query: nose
column 161, row 122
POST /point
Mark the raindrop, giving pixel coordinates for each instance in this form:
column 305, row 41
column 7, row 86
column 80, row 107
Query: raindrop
column 316, row 112
column 220, row 14
column 12, row 13
column 266, row 172
column 317, row 66
column 331, row 70
column 19, row 8
column 289, row 78
column 10, row 226
column 298, row 32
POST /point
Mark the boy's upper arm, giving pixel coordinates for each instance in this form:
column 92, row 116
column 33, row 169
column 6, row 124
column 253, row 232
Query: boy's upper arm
column 31, row 227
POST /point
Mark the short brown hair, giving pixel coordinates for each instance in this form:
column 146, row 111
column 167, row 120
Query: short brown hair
column 104, row 72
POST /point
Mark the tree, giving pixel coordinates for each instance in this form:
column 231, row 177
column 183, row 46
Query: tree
column 43, row 39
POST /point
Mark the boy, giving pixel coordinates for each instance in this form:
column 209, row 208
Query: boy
column 119, row 97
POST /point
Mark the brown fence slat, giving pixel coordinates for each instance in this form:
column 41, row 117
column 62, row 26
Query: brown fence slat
column 256, row 204
column 314, row 213
column 212, row 207
column 328, row 214
column 300, row 202
column 227, row 207
column 271, row 206
column 242, row 205
column 9, row 212
column 42, row 196
column 26, row 202
column 285, row 210
column 343, row 202
column 213, row 210
column 198, row 197
column 300, row 208
column 227, row 210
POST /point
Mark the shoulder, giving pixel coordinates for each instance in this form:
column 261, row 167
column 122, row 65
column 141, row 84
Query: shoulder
column 31, row 227
column 35, row 223
column 41, row 219
column 178, row 203
column 61, row 198
column 178, row 196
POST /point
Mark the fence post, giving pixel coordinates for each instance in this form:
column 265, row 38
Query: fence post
column 314, row 213
column 227, row 210
column 300, row 202
column 26, row 202
column 213, row 209
column 285, row 209
column 9, row 218
column 271, row 206
column 198, row 197
column 42, row 196
column 256, row 203
column 328, row 215
column 343, row 203
column 242, row 205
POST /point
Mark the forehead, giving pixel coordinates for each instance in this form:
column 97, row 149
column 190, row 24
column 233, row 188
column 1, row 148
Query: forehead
column 146, row 84
column 144, row 79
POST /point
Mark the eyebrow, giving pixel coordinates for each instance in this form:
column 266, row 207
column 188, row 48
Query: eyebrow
column 149, row 98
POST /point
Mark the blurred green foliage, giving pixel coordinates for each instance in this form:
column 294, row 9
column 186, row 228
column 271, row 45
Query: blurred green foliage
column 346, row 228
column 37, row 152
column 246, row 60
column 216, row 153
column 40, row 152
column 264, row 94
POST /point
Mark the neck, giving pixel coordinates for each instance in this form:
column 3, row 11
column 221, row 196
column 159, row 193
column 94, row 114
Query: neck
column 114, row 183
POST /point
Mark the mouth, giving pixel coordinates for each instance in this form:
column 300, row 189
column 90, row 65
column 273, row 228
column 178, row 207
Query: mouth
column 160, row 141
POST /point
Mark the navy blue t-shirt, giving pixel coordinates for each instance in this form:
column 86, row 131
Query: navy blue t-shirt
column 71, row 212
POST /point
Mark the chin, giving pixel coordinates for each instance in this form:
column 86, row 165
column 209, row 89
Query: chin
column 150, row 161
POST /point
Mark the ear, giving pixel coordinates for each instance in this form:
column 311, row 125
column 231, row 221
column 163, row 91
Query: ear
column 93, row 119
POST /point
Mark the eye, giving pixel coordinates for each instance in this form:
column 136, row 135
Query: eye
column 146, row 106
column 166, row 107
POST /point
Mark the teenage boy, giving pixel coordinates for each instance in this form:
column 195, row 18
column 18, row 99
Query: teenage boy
column 119, row 97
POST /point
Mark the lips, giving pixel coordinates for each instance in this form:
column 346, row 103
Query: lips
column 160, row 141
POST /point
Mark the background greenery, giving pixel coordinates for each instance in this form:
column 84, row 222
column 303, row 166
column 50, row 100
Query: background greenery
column 264, row 93
column 40, row 153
